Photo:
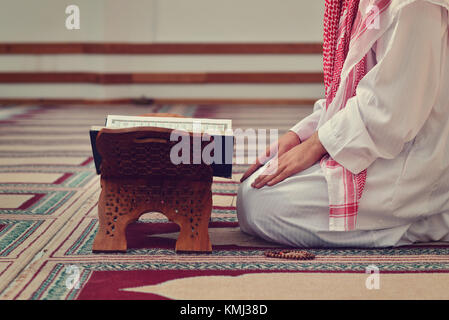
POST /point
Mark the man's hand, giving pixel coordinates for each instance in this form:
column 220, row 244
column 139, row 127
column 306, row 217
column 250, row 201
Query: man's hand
column 295, row 160
column 285, row 143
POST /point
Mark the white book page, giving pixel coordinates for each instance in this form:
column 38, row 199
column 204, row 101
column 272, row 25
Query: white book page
column 185, row 124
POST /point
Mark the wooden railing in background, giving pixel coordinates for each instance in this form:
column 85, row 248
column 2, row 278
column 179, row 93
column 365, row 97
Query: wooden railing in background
column 161, row 77
column 161, row 48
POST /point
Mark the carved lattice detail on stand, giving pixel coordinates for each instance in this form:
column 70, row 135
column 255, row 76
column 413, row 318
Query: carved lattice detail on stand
column 137, row 176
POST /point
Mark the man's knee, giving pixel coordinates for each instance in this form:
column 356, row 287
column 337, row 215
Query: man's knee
column 243, row 207
column 248, row 201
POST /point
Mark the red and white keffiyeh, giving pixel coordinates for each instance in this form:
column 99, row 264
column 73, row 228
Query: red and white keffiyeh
column 343, row 25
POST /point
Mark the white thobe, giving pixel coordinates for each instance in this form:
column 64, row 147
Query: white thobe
column 396, row 127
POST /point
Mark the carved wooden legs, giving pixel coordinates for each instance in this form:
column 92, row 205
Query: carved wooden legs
column 115, row 212
column 193, row 219
column 189, row 204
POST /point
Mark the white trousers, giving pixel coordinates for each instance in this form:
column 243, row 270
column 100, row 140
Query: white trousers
column 295, row 212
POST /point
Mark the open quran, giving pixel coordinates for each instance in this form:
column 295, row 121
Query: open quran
column 218, row 128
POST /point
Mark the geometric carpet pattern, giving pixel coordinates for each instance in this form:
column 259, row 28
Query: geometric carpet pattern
column 48, row 219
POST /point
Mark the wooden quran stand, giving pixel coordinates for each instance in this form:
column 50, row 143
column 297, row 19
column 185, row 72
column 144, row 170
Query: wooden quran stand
column 137, row 176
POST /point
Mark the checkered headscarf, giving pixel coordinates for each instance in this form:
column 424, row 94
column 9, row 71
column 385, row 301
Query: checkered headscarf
column 342, row 21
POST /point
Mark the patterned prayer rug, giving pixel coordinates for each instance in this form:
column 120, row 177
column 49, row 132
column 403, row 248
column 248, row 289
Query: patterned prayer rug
column 48, row 219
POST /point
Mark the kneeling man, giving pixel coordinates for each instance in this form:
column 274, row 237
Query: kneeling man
column 370, row 166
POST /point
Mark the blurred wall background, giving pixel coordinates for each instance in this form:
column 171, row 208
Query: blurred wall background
column 160, row 22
